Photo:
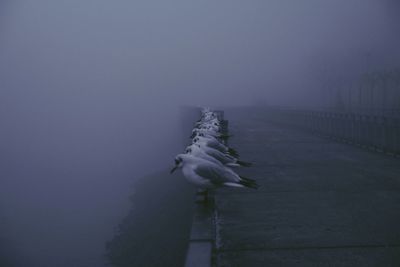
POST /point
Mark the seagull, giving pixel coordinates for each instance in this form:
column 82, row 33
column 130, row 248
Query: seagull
column 206, row 127
column 206, row 174
column 196, row 151
column 208, row 120
column 209, row 127
column 216, row 145
column 211, row 154
column 218, row 155
column 205, row 133
column 220, row 138
column 205, row 136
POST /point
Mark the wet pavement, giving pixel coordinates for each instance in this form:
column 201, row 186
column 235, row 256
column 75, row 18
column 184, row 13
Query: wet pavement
column 320, row 203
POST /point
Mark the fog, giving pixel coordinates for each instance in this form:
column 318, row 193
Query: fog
column 91, row 91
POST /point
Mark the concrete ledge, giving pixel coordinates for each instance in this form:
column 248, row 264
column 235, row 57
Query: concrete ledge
column 199, row 254
column 202, row 234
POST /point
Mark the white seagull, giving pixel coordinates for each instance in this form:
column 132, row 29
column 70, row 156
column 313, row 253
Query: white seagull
column 225, row 159
column 196, row 151
column 215, row 144
column 204, row 132
column 206, row 174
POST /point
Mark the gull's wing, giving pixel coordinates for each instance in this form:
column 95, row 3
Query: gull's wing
column 217, row 155
column 215, row 174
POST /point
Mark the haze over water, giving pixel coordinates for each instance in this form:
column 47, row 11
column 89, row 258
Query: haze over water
column 90, row 97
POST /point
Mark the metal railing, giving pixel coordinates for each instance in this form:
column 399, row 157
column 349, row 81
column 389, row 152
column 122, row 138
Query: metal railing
column 375, row 132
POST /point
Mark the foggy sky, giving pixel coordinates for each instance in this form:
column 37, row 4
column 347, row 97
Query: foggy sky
column 177, row 49
column 90, row 90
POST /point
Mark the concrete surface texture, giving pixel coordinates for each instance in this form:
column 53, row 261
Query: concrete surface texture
column 320, row 203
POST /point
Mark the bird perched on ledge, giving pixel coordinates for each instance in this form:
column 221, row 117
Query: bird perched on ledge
column 208, row 159
column 199, row 150
column 207, row 174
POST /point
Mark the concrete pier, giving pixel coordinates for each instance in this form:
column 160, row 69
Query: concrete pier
column 320, row 203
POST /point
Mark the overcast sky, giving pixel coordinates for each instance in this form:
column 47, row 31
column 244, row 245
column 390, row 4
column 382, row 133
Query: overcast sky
column 182, row 51
column 90, row 91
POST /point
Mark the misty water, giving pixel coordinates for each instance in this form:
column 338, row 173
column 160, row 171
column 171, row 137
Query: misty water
column 90, row 106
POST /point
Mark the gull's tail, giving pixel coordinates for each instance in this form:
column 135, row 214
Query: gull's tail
column 233, row 152
column 247, row 182
column 224, row 137
column 244, row 163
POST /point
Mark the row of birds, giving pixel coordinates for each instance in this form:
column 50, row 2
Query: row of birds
column 208, row 161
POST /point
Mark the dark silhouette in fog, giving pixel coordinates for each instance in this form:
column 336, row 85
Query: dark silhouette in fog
column 90, row 94
column 154, row 233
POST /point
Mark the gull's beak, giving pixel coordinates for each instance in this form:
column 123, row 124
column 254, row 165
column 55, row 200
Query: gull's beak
column 173, row 169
